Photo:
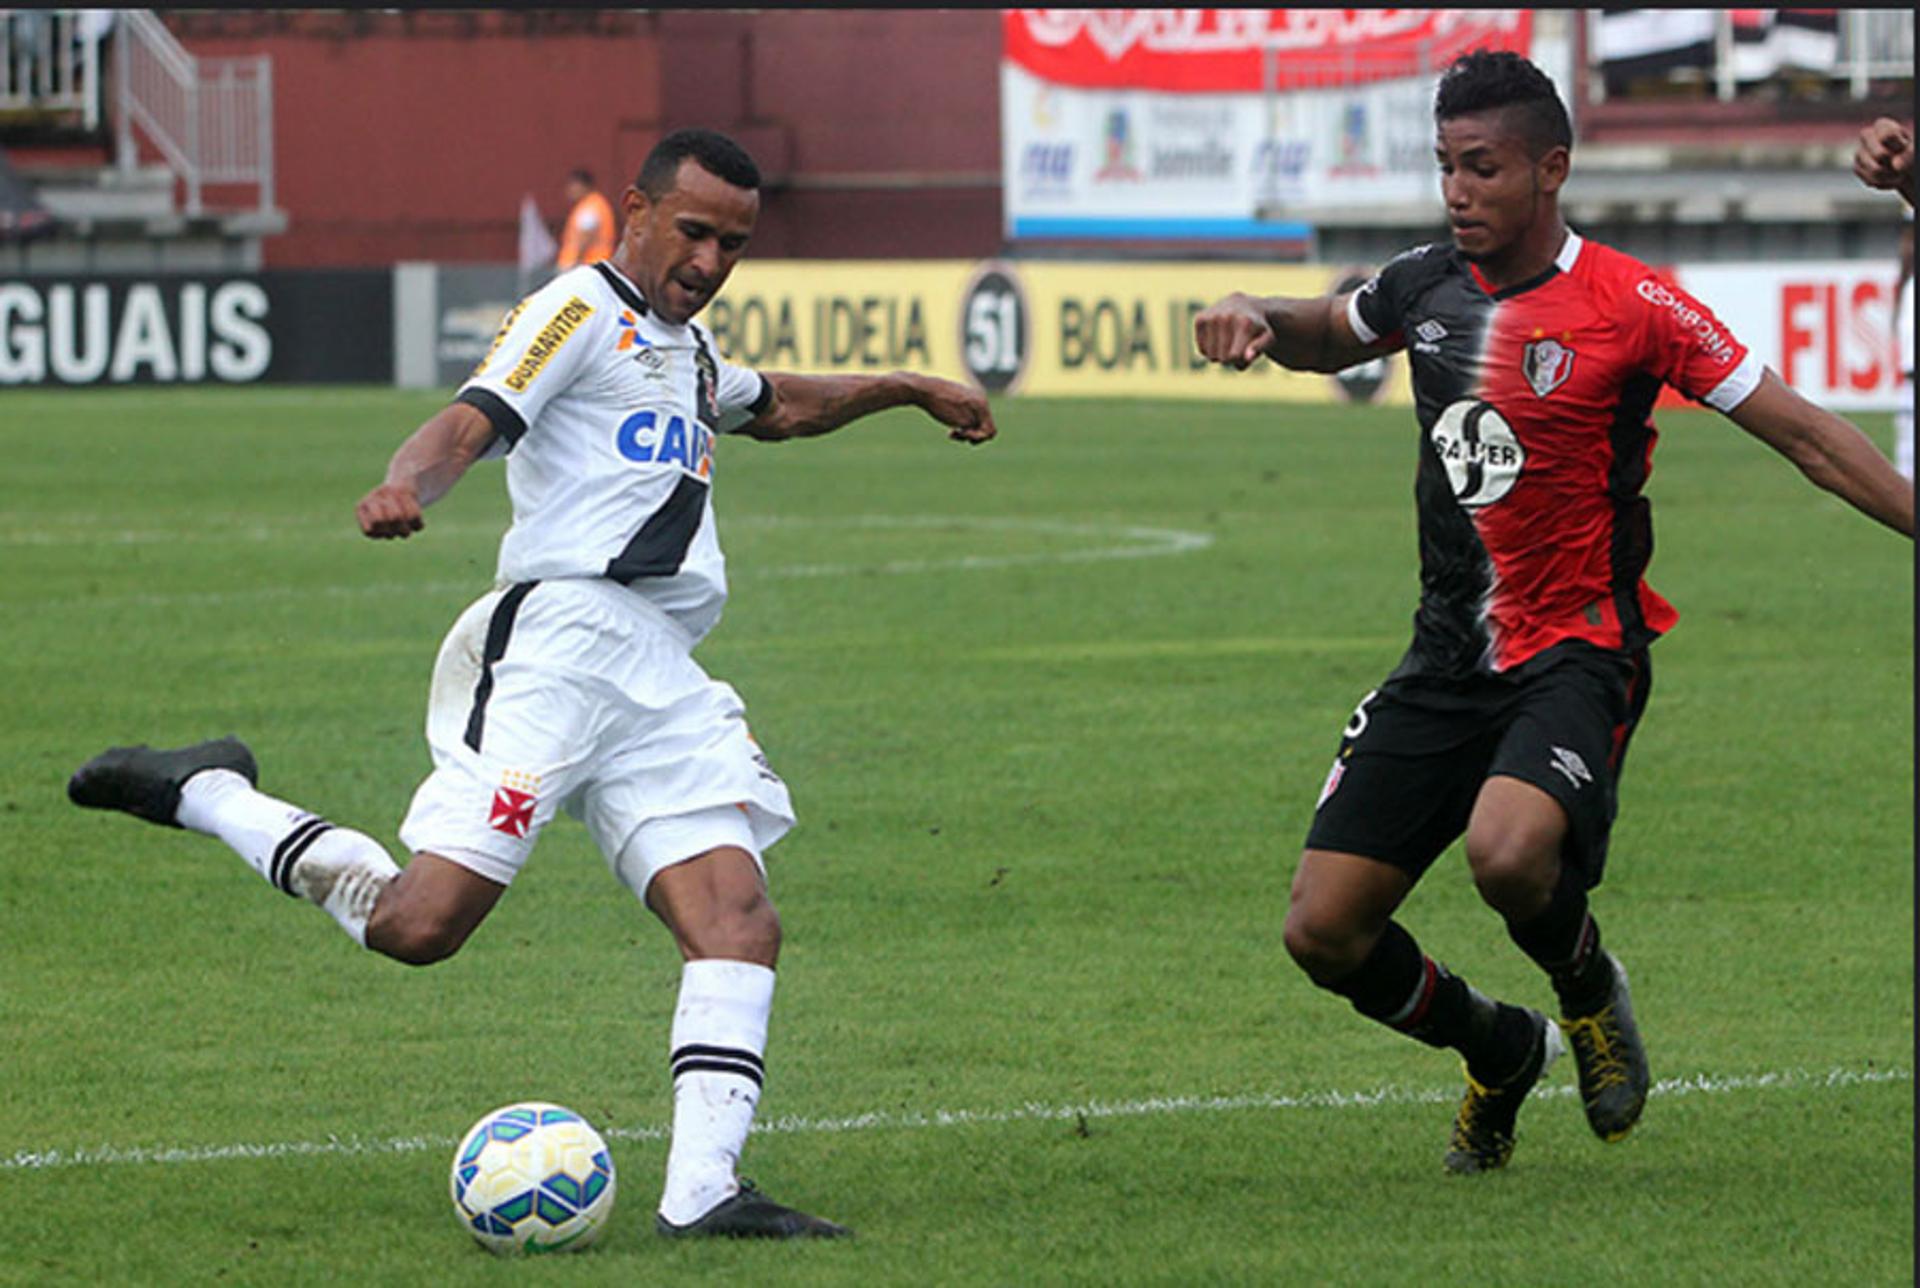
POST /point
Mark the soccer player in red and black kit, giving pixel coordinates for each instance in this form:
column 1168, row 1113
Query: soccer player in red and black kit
column 1536, row 357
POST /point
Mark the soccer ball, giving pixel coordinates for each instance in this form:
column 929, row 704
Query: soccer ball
column 533, row 1177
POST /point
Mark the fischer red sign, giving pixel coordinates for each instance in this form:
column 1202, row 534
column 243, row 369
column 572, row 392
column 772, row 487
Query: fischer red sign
column 1836, row 335
column 1222, row 50
column 1827, row 326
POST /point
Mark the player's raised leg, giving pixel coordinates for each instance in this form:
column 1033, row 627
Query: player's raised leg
column 209, row 787
column 427, row 912
column 1340, row 930
column 1514, row 846
column 715, row 903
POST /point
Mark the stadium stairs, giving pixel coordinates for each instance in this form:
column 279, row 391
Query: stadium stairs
column 107, row 220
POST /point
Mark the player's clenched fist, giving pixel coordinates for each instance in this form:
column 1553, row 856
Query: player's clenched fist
column 1884, row 156
column 1235, row 331
column 961, row 408
column 389, row 511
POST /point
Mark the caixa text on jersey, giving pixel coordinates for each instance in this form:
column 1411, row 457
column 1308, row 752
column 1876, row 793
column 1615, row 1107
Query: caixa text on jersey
column 651, row 438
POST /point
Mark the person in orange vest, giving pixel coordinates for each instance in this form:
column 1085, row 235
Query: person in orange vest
column 589, row 234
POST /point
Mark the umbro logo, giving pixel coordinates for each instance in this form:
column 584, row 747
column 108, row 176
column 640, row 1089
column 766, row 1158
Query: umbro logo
column 1431, row 331
column 1570, row 764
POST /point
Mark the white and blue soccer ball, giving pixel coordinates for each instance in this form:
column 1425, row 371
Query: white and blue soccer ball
column 533, row 1177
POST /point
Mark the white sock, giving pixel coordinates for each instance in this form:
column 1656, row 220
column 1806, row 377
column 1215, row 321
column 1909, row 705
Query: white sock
column 263, row 831
column 344, row 872
column 298, row 852
column 719, row 1044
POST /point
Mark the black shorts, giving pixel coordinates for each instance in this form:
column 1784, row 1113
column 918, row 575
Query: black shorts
column 1414, row 755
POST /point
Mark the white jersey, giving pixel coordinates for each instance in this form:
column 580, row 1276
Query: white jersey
column 607, row 416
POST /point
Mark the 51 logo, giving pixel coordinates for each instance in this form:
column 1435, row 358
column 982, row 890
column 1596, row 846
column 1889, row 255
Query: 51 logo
column 994, row 328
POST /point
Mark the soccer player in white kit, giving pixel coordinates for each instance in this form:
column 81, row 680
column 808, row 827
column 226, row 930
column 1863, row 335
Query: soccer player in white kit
column 571, row 684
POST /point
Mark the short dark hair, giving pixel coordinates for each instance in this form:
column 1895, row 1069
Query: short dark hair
column 580, row 174
column 715, row 153
column 1488, row 80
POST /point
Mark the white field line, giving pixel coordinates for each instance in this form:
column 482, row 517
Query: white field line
column 884, row 1120
column 473, row 586
column 1120, row 541
column 1134, row 543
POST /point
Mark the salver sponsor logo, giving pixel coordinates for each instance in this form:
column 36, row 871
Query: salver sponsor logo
column 1482, row 455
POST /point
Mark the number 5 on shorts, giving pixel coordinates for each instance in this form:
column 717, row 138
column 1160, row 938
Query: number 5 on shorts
column 1357, row 722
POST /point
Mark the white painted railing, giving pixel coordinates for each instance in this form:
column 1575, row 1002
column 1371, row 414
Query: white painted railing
column 1874, row 44
column 211, row 119
column 50, row 62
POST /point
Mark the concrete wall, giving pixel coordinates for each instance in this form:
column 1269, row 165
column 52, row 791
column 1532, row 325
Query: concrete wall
column 412, row 135
column 129, row 251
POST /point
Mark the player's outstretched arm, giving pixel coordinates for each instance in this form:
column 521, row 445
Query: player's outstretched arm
column 1828, row 450
column 804, row 406
column 425, row 468
column 1300, row 334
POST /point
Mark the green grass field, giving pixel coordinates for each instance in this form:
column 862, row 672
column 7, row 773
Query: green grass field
column 1054, row 712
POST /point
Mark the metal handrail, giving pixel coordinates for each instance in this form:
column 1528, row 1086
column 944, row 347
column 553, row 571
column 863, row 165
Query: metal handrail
column 211, row 119
column 50, row 62
column 1875, row 44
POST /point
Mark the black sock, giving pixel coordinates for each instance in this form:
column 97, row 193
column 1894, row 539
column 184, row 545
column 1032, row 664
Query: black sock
column 1564, row 941
column 1401, row 987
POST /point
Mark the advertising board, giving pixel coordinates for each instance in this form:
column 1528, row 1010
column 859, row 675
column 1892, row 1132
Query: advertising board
column 299, row 327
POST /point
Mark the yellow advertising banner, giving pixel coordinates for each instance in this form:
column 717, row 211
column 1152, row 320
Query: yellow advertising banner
column 842, row 317
column 1051, row 329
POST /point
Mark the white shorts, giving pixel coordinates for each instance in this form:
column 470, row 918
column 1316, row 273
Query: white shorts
column 577, row 693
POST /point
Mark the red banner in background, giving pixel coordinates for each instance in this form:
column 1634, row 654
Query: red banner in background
column 1223, row 50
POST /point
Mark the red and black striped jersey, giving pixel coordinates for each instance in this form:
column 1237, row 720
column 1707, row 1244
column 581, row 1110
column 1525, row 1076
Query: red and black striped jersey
column 1535, row 405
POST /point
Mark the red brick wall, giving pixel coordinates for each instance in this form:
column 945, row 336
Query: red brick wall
column 413, row 136
column 893, row 96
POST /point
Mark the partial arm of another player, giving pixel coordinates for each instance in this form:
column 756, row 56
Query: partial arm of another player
column 1883, row 158
column 423, row 470
column 804, row 406
column 1830, row 451
column 1299, row 334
